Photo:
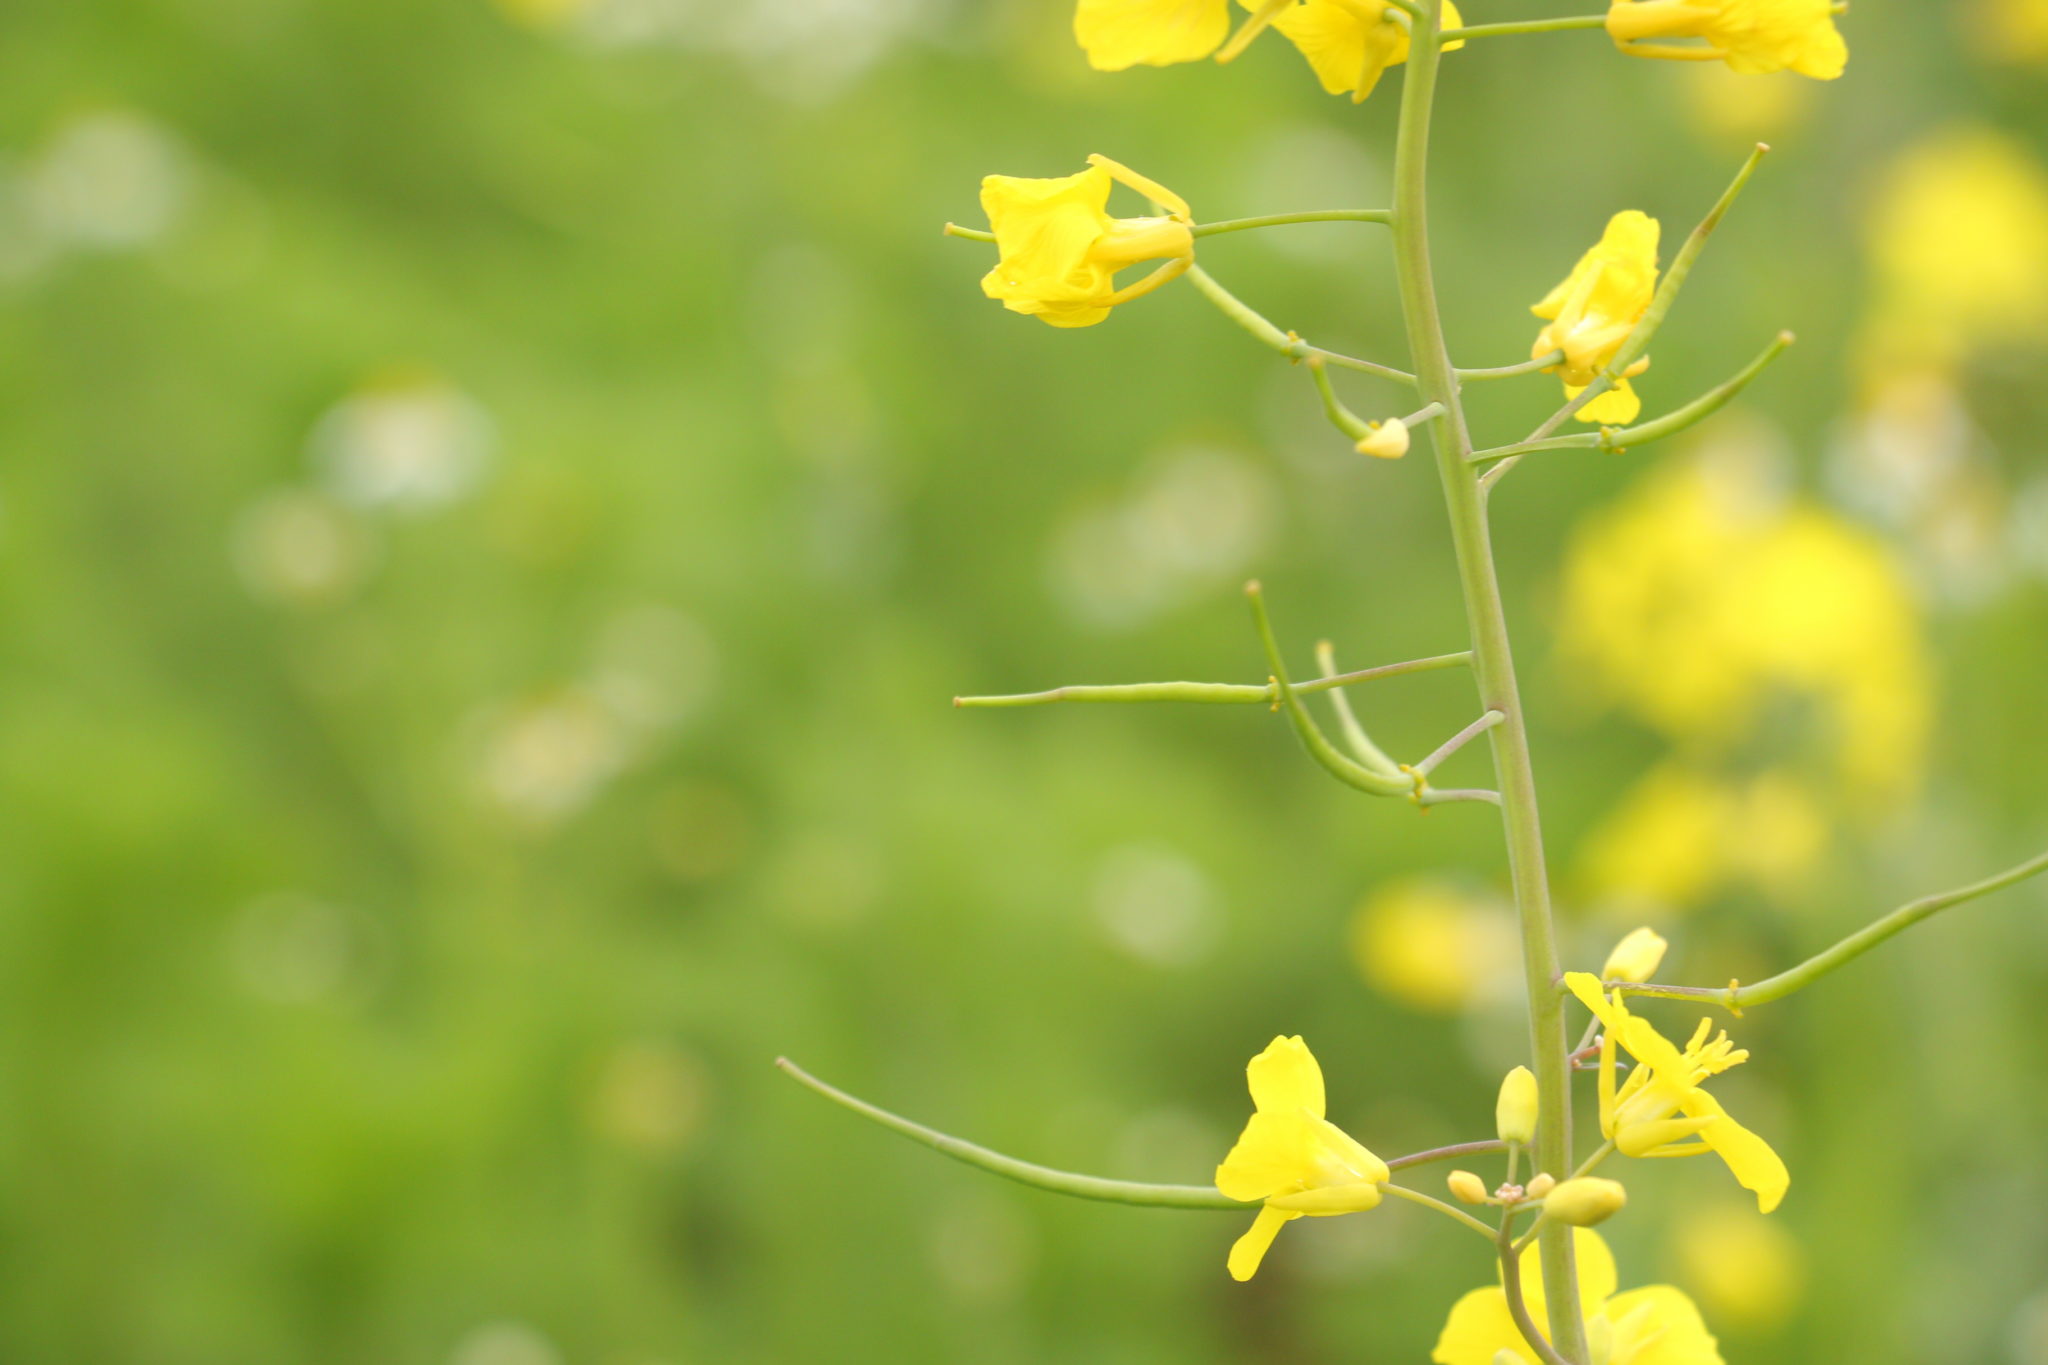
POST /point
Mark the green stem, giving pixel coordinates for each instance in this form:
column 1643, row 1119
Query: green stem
column 1354, row 733
column 1576, row 21
column 1024, row 1172
column 1493, row 659
column 1346, row 770
column 1701, row 408
column 1536, row 366
column 1518, row 1303
column 1735, row 998
column 1239, row 694
column 1286, row 343
column 1418, row 1197
column 1283, row 219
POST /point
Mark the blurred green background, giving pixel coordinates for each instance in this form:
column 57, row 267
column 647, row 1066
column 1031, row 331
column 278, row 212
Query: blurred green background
column 495, row 505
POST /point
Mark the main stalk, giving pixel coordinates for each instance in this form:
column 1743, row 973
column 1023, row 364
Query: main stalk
column 1492, row 658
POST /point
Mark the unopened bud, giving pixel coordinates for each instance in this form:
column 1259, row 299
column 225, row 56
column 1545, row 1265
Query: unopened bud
column 1468, row 1187
column 1540, row 1186
column 1514, row 1115
column 1585, row 1201
column 1636, row 957
column 1387, row 440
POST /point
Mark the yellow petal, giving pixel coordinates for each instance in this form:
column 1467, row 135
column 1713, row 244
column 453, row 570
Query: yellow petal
column 1617, row 407
column 1330, row 1199
column 1250, row 1249
column 1756, row 1166
column 1479, row 1329
column 1660, row 1326
column 1117, row 34
column 1275, row 1154
column 1285, row 1078
column 1348, row 1152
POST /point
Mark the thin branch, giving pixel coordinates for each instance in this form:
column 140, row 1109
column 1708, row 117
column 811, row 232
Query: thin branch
column 1576, row 21
column 1457, row 742
column 1293, row 347
column 1234, row 694
column 1345, row 770
column 1426, row 1201
column 1283, row 219
column 1450, row 1153
column 1735, row 997
column 1432, row 796
column 1701, row 408
column 1536, row 366
column 1024, row 1172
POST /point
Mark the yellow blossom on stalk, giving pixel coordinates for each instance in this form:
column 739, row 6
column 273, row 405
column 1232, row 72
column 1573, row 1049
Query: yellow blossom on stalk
column 1059, row 250
column 1661, row 1110
column 1351, row 43
column 1596, row 307
column 1753, row 36
column 1657, row 1325
column 1292, row 1158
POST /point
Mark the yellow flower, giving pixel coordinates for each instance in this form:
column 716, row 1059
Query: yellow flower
column 1351, row 43
column 1059, row 250
column 1290, row 1156
column 1636, row 957
column 1653, row 1326
column 1642, row 1118
column 1753, row 36
column 1592, row 312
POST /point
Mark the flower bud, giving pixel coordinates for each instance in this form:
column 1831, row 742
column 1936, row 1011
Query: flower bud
column 1636, row 957
column 1388, row 440
column 1540, row 1186
column 1469, row 1188
column 1585, row 1201
column 1514, row 1115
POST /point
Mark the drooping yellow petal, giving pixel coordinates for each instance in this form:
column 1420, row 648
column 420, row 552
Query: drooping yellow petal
column 1349, row 44
column 1285, row 1078
column 1755, row 1165
column 1273, row 1155
column 1250, row 1249
column 1659, row 1325
column 1117, row 34
column 1330, row 1199
column 1479, row 1329
column 1615, row 408
column 1752, row 36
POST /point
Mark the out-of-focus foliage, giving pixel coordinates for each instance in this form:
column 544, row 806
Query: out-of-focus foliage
column 496, row 500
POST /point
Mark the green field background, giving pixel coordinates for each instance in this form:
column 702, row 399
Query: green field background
column 495, row 506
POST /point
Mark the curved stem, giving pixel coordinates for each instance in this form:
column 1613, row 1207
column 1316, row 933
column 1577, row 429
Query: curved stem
column 1418, row 1197
column 1450, row 1153
column 1735, row 997
column 1518, row 1304
column 1023, row 1172
column 1493, row 659
column 1284, row 219
column 1286, row 343
column 1344, row 769
column 1536, row 366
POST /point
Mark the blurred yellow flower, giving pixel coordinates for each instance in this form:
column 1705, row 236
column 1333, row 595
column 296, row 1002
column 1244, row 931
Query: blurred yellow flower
column 1705, row 598
column 2009, row 30
column 1351, row 43
column 1657, row 1325
column 1431, row 945
column 1592, row 312
column 1753, row 36
column 1642, row 1117
column 1747, row 1270
column 1682, row 834
column 1958, row 241
column 1291, row 1157
column 1059, row 250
